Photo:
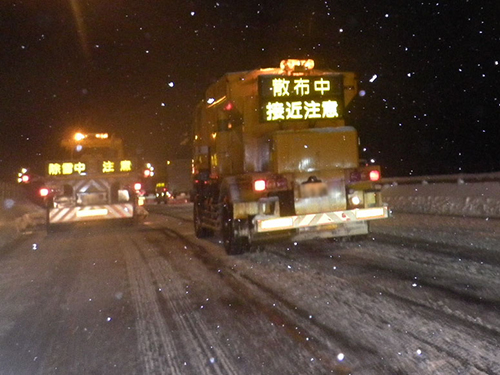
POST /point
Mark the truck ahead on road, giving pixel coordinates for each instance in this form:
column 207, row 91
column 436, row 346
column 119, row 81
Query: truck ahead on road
column 179, row 178
column 273, row 158
column 177, row 183
column 95, row 182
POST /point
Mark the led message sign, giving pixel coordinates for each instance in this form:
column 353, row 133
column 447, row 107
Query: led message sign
column 288, row 98
column 68, row 168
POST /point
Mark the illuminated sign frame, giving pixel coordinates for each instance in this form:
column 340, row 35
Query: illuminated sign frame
column 301, row 98
column 79, row 168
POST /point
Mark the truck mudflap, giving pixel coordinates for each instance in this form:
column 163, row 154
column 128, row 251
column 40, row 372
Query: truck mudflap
column 263, row 224
column 98, row 212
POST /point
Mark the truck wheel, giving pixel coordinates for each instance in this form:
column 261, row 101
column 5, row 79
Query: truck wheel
column 199, row 230
column 233, row 243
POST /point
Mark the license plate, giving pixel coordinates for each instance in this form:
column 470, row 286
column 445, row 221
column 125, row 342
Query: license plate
column 313, row 190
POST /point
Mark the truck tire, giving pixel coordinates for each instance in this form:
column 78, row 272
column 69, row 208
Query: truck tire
column 233, row 243
column 199, row 230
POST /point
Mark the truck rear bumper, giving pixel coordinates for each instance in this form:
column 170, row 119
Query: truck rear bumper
column 330, row 220
column 101, row 212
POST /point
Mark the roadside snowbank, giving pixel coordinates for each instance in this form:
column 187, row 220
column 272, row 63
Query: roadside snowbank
column 16, row 215
column 478, row 199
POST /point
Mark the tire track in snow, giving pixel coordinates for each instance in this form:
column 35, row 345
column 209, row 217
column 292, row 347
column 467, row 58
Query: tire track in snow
column 285, row 332
column 155, row 344
column 395, row 264
column 437, row 248
column 451, row 279
column 194, row 330
column 293, row 320
column 437, row 317
column 165, row 288
column 451, row 349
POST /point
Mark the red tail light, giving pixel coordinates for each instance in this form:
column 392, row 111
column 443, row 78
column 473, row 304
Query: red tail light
column 44, row 192
column 374, row 175
column 270, row 183
column 259, row 185
column 229, row 106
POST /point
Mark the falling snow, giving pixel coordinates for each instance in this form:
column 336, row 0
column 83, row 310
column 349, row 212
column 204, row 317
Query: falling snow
column 425, row 57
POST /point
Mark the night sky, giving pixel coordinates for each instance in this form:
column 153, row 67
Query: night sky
column 429, row 70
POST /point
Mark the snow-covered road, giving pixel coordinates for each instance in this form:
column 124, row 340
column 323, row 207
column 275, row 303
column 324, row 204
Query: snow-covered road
column 421, row 296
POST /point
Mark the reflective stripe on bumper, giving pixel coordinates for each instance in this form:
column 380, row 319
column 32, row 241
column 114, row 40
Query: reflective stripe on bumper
column 325, row 218
column 75, row 214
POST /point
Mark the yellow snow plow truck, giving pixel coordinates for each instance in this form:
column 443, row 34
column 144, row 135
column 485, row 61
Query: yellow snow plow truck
column 96, row 182
column 273, row 158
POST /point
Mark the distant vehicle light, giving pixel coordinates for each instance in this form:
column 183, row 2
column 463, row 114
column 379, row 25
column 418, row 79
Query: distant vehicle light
column 229, row 106
column 259, row 185
column 374, row 175
column 44, row 192
column 137, row 186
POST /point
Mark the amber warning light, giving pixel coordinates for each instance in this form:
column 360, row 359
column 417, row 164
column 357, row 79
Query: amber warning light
column 295, row 64
column 79, row 137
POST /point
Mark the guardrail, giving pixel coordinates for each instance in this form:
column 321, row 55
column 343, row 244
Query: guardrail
column 467, row 195
column 455, row 178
